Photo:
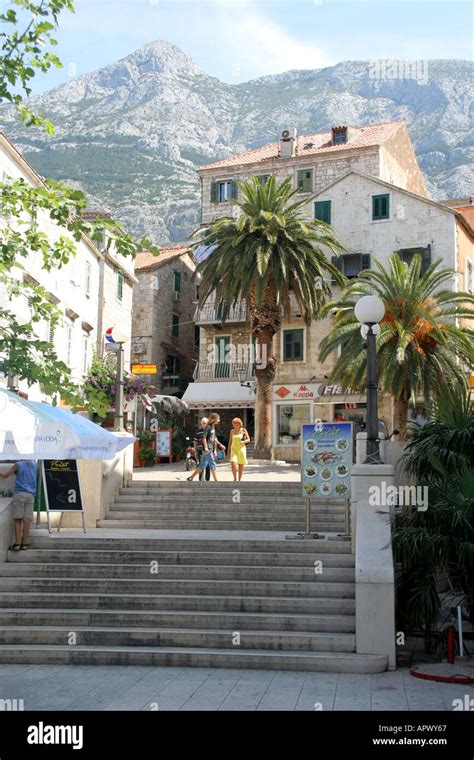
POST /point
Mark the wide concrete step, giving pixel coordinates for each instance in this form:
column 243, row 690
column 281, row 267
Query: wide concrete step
column 226, row 500
column 253, row 486
column 334, row 662
column 155, row 585
column 229, row 621
column 228, row 511
column 317, row 605
column 188, row 543
column 127, row 523
column 193, row 572
column 175, row 637
column 248, row 559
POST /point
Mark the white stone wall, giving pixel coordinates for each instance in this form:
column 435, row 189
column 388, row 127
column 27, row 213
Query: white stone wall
column 78, row 296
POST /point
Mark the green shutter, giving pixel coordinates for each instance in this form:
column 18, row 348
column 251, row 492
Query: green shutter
column 233, row 189
column 177, row 282
column 322, row 211
column 381, row 206
column 425, row 259
column 365, row 261
column 119, row 286
column 175, row 325
column 214, row 197
column 304, row 180
column 338, row 262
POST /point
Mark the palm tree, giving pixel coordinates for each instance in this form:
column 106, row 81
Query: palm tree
column 421, row 347
column 267, row 251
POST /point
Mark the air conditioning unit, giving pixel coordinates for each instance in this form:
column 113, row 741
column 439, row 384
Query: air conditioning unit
column 176, row 295
column 138, row 348
column 288, row 134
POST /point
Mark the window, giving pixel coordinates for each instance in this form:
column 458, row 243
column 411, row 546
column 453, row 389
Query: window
column 351, row 264
column 469, row 276
column 172, row 365
column 68, row 343
column 304, row 180
column 339, row 136
column 197, row 335
column 289, row 421
column 119, row 286
column 263, row 178
column 223, row 191
column 322, row 211
column 175, row 325
column 293, row 345
column 381, row 206
column 177, row 282
column 87, row 283
column 85, row 354
column 406, row 254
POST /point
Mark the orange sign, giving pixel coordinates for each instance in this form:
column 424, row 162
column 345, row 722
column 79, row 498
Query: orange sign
column 144, row 369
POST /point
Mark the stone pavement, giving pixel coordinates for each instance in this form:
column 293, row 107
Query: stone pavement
column 65, row 687
column 276, row 473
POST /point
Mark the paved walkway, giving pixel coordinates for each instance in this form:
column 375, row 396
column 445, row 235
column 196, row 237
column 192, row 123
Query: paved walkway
column 279, row 473
column 65, row 687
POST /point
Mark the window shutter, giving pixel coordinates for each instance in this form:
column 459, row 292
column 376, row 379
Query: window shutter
column 365, row 261
column 308, row 176
column 425, row 259
column 233, row 189
column 213, row 191
column 338, row 262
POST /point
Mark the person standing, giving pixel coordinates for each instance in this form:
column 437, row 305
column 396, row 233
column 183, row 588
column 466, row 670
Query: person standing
column 23, row 500
column 208, row 445
column 199, row 450
column 238, row 440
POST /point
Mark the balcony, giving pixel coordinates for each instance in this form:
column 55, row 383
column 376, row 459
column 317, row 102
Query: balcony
column 222, row 371
column 209, row 314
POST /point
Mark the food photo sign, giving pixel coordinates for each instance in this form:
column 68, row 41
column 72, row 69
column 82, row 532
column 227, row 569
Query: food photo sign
column 326, row 460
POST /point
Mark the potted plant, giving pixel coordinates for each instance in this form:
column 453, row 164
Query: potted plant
column 146, row 454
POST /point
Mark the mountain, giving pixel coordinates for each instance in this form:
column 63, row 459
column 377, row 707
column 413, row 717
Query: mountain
column 132, row 134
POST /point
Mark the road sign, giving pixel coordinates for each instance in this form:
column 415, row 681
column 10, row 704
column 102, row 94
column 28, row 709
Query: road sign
column 144, row 369
column 112, row 346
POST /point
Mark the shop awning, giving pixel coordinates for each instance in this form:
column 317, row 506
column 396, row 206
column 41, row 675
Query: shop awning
column 221, row 395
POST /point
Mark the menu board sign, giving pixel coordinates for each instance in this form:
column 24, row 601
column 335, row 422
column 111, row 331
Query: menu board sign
column 326, row 460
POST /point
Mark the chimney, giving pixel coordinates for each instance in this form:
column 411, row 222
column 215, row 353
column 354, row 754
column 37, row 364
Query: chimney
column 288, row 143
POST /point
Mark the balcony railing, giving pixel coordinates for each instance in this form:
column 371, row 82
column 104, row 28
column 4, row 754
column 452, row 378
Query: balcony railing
column 210, row 314
column 222, row 371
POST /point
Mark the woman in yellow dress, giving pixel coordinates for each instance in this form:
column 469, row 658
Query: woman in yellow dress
column 238, row 440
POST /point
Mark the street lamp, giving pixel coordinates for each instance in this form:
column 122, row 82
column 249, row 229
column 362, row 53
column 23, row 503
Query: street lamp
column 369, row 310
column 119, row 338
column 242, row 375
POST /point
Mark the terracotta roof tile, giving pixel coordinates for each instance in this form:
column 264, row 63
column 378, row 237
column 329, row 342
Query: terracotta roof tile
column 372, row 134
column 146, row 259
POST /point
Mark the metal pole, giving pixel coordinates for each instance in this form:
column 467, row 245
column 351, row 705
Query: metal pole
column 308, row 515
column 460, row 637
column 119, row 390
column 373, row 450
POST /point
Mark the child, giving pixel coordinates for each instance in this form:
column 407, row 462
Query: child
column 208, row 441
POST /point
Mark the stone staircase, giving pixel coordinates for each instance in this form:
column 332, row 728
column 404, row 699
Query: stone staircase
column 187, row 601
column 250, row 505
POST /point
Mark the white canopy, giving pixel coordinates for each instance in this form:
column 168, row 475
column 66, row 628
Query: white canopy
column 32, row 430
column 220, row 395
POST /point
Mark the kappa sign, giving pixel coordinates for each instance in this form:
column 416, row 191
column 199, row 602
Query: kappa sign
column 296, row 392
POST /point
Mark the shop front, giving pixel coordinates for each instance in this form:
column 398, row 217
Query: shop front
column 297, row 404
column 228, row 399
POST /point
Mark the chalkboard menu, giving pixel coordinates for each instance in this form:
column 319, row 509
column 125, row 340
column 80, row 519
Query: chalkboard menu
column 326, row 460
column 61, row 485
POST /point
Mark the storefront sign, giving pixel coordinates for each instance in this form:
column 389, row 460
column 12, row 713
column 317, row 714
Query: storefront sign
column 297, row 392
column 144, row 369
column 326, row 460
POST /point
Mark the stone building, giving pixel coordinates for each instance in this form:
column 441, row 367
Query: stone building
column 366, row 183
column 86, row 290
column 163, row 330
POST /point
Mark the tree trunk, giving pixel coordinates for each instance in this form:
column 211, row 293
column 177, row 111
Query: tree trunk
column 401, row 417
column 263, row 410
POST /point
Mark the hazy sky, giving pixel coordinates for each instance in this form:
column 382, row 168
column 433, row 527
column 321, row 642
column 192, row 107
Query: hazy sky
column 237, row 40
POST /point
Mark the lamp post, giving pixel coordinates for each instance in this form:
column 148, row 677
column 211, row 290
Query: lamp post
column 369, row 310
column 119, row 338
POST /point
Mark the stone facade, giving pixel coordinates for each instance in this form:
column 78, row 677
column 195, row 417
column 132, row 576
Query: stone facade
column 154, row 305
column 83, row 289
